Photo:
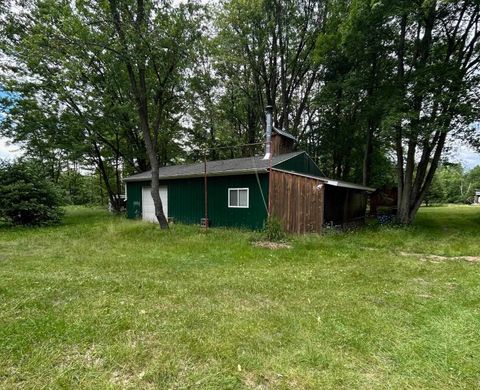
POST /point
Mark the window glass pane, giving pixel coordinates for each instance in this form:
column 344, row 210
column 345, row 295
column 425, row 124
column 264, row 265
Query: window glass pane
column 243, row 201
column 233, row 198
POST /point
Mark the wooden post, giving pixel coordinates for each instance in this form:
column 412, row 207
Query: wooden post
column 206, row 189
column 269, row 211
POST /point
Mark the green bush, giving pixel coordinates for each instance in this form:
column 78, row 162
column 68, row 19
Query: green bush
column 26, row 196
column 273, row 230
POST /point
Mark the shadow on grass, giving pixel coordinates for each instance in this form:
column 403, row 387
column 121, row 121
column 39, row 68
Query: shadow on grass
column 74, row 216
column 82, row 215
column 449, row 219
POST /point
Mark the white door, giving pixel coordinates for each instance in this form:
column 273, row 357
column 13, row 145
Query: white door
column 148, row 208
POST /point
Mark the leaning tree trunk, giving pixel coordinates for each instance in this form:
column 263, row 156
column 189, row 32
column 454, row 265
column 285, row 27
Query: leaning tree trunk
column 157, row 201
column 113, row 196
column 152, row 156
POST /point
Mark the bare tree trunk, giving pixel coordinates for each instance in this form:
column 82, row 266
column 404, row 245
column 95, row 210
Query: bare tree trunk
column 152, row 156
column 404, row 205
column 398, row 127
column 157, row 201
column 102, row 170
column 367, row 158
column 371, row 124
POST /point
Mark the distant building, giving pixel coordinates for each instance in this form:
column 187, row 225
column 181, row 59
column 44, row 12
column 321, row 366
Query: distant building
column 476, row 198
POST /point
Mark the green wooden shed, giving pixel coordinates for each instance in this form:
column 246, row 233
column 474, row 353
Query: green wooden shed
column 241, row 192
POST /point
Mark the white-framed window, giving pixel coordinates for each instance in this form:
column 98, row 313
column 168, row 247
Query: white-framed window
column 238, row 198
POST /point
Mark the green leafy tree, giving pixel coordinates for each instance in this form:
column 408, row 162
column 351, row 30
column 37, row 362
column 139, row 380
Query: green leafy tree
column 351, row 105
column 452, row 184
column 67, row 105
column 399, row 76
column 154, row 45
column 114, row 71
column 26, row 196
column 263, row 56
column 436, row 83
column 473, row 177
column 81, row 188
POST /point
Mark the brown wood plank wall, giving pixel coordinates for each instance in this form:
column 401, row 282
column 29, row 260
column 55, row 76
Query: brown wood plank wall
column 281, row 144
column 297, row 202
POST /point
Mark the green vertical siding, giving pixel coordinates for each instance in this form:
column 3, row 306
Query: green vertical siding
column 134, row 199
column 300, row 164
column 219, row 212
column 186, row 201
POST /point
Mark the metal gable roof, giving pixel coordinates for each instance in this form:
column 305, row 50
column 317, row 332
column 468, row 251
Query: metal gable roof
column 284, row 133
column 236, row 166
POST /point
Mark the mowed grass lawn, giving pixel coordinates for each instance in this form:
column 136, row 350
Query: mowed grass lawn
column 102, row 302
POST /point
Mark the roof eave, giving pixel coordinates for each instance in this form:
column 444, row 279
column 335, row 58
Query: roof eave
column 330, row 182
column 212, row 174
column 353, row 186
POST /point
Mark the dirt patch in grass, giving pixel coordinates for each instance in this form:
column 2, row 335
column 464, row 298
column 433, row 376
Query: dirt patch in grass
column 272, row 245
column 122, row 378
column 432, row 258
column 426, row 296
column 438, row 258
column 263, row 381
column 420, row 281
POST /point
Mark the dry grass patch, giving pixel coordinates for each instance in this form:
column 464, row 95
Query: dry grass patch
column 272, row 245
column 438, row 258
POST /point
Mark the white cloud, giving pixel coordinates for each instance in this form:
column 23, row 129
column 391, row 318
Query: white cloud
column 462, row 153
column 7, row 150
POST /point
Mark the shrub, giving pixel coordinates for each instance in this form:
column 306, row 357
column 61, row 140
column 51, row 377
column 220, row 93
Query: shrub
column 273, row 230
column 26, row 196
